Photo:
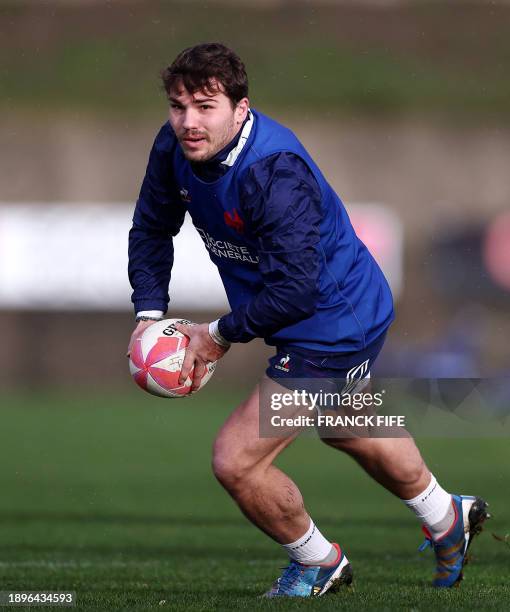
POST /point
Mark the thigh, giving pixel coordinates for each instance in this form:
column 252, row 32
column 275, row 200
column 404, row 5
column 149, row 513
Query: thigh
column 239, row 437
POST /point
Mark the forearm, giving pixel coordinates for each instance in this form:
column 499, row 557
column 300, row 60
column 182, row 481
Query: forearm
column 270, row 311
column 149, row 268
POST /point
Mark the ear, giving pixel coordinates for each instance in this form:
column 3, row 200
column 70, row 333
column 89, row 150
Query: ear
column 242, row 109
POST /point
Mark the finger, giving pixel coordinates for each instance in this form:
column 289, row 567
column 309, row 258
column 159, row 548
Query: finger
column 138, row 331
column 184, row 329
column 187, row 365
column 198, row 374
column 130, row 347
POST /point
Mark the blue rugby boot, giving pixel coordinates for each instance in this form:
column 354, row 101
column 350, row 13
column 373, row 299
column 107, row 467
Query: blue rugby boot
column 451, row 548
column 298, row 580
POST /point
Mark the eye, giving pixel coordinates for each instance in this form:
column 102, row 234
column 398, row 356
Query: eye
column 205, row 106
column 175, row 106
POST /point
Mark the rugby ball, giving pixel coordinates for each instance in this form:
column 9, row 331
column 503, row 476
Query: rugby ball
column 156, row 360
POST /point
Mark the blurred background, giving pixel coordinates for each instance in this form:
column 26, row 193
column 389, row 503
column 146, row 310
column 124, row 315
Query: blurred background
column 107, row 490
column 403, row 104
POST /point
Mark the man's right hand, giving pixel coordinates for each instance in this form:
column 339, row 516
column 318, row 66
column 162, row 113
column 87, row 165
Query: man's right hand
column 138, row 331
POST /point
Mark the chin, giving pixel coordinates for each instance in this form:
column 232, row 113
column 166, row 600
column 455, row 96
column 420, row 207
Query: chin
column 197, row 156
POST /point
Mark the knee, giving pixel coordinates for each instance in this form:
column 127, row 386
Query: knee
column 228, row 464
column 224, row 470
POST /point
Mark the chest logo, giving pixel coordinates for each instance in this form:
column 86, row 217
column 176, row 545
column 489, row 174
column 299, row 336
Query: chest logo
column 233, row 220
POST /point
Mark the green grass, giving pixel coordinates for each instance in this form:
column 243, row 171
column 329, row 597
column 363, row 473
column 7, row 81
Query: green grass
column 112, row 496
column 426, row 58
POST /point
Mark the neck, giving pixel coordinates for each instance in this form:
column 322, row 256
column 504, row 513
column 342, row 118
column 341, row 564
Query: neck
column 213, row 168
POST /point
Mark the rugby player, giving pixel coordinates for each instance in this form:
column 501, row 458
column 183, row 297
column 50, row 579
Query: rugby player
column 297, row 276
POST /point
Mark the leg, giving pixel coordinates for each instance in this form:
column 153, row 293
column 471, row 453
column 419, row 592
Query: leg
column 395, row 463
column 451, row 522
column 242, row 462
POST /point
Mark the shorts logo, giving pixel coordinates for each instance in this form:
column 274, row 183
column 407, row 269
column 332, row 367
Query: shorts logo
column 233, row 220
column 185, row 196
column 284, row 364
column 354, row 375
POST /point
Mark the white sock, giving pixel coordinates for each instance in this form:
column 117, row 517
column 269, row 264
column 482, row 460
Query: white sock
column 312, row 548
column 433, row 507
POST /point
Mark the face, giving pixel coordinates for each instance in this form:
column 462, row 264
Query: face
column 205, row 122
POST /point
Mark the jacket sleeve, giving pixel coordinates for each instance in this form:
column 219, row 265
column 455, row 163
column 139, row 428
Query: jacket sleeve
column 159, row 215
column 281, row 201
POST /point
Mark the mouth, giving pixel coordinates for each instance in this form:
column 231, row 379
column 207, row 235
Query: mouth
column 193, row 141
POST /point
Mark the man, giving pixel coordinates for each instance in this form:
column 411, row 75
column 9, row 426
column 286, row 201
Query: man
column 296, row 275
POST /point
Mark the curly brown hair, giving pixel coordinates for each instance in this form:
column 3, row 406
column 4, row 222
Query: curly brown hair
column 198, row 67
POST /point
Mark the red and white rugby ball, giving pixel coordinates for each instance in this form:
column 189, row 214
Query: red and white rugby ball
column 156, row 360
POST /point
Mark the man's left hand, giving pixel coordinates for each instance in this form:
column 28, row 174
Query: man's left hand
column 202, row 349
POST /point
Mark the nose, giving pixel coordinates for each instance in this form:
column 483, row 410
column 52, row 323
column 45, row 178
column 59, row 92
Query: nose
column 190, row 119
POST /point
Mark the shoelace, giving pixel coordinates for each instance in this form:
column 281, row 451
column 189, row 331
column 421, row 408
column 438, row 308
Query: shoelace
column 425, row 544
column 428, row 540
column 289, row 577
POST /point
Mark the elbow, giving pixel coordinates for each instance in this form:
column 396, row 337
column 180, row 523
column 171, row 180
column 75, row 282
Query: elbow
column 307, row 308
column 302, row 304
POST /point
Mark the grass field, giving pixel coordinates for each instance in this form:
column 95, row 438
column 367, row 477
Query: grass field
column 427, row 57
column 112, row 496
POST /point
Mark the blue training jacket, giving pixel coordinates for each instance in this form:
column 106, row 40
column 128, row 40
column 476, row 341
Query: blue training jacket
column 294, row 271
